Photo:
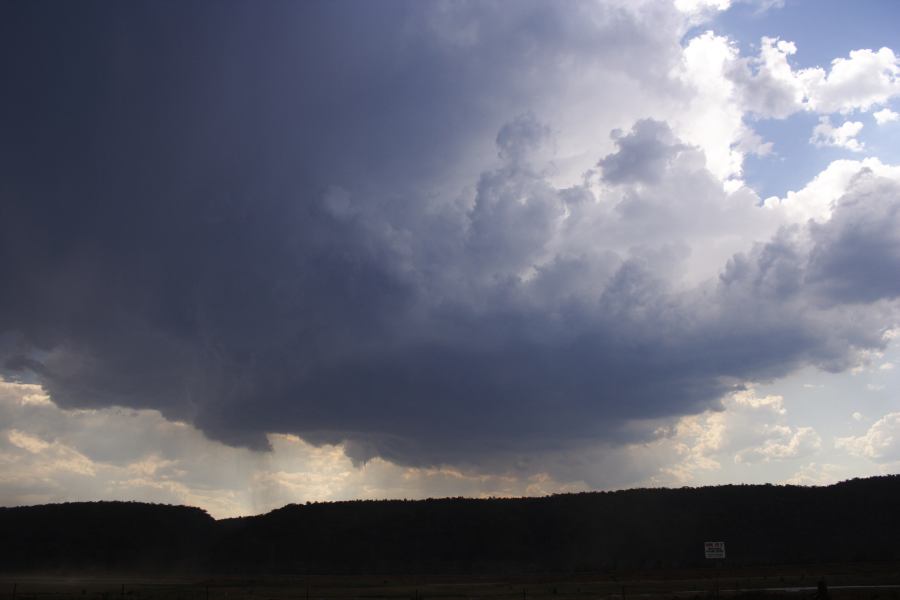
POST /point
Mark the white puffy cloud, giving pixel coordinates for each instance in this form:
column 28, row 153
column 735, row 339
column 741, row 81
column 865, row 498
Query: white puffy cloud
column 865, row 79
column 699, row 11
column 783, row 442
column 749, row 429
column 880, row 443
column 713, row 121
column 844, row 136
column 727, row 87
column 693, row 6
column 885, row 116
column 817, row 198
column 770, row 87
column 767, row 83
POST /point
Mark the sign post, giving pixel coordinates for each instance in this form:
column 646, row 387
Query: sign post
column 715, row 551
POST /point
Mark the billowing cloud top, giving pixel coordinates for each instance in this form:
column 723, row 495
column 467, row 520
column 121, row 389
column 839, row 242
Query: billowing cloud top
column 439, row 233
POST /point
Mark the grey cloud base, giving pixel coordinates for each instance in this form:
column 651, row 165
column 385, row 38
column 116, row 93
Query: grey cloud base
column 255, row 260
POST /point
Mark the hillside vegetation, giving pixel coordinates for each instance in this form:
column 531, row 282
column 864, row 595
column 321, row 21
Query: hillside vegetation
column 853, row 521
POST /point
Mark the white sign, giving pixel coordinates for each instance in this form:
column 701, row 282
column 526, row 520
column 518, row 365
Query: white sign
column 714, row 549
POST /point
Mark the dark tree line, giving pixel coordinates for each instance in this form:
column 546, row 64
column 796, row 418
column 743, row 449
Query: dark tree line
column 854, row 521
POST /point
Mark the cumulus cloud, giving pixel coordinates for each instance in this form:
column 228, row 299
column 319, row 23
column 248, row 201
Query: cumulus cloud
column 864, row 79
column 844, row 136
column 885, row 116
column 770, row 87
column 880, row 443
column 816, row 200
column 693, row 6
column 644, row 155
column 767, row 83
column 700, row 11
column 729, row 87
column 714, row 120
column 784, row 443
column 378, row 247
column 748, row 430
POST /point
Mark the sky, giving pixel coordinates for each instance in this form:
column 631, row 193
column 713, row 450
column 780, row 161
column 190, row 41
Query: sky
column 255, row 254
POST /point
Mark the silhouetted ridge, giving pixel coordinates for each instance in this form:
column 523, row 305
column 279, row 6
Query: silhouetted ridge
column 857, row 520
column 105, row 536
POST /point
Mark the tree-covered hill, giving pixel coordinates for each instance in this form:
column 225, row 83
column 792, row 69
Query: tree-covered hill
column 857, row 520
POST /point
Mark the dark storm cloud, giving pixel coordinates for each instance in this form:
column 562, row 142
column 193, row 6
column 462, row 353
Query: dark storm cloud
column 849, row 260
column 856, row 255
column 236, row 216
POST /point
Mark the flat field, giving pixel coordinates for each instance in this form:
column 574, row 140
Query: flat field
column 855, row 582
